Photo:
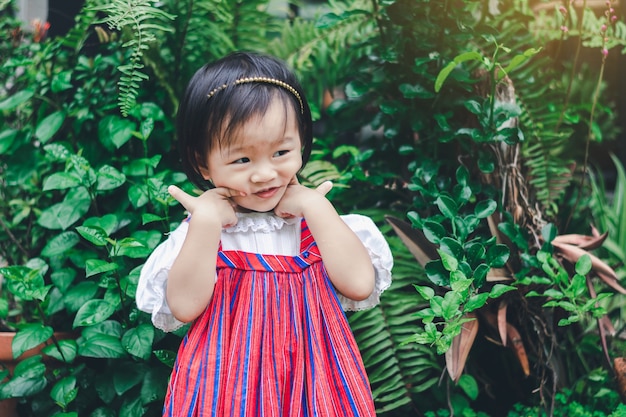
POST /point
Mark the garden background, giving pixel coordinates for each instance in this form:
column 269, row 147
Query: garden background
column 484, row 137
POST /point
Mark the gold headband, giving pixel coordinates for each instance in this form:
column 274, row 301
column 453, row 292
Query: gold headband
column 261, row 80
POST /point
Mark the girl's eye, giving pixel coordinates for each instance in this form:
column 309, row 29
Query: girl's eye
column 281, row 153
column 241, row 160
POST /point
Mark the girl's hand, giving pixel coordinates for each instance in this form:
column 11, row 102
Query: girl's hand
column 297, row 198
column 214, row 203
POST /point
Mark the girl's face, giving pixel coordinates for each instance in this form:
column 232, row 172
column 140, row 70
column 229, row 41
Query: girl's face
column 261, row 161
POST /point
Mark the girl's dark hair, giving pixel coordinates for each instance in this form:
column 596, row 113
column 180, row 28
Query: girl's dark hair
column 203, row 121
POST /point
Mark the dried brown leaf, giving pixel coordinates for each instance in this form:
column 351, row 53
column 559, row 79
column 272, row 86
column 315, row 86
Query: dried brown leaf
column 456, row 356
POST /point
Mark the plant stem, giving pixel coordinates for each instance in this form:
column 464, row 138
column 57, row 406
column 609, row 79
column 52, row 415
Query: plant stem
column 574, row 65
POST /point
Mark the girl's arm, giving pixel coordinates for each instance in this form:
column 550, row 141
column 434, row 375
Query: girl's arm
column 192, row 277
column 347, row 261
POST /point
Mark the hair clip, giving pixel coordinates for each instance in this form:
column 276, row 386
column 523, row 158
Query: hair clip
column 261, row 80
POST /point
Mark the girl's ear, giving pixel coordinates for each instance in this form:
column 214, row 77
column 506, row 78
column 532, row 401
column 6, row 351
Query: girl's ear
column 205, row 173
column 202, row 167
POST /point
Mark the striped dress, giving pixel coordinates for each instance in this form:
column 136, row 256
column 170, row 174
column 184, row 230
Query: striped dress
column 274, row 341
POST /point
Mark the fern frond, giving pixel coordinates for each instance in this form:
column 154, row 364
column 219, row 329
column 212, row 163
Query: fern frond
column 77, row 35
column 136, row 16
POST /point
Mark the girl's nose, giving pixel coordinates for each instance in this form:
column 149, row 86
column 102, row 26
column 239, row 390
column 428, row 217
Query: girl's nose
column 263, row 173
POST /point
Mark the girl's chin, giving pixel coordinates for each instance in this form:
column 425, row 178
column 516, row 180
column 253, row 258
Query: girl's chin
column 243, row 209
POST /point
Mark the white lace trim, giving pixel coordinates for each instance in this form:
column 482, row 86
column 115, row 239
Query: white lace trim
column 259, row 222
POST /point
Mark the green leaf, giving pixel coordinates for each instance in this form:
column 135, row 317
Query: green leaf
column 485, row 208
column 60, row 181
column 149, row 218
column 115, row 131
column 49, row 126
column 138, row 341
column 7, row 137
column 98, row 266
column 131, row 407
column 100, row 346
column 469, row 386
column 450, row 263
column 583, row 265
column 79, row 294
column 426, row 292
column 28, row 379
column 126, row 377
column 30, row 336
column 138, row 195
column 109, row 178
column 499, row 289
column 63, row 215
column 60, row 244
column 476, row 301
column 549, row 232
column 61, row 81
column 167, row 357
column 95, row 235
column 433, row 231
column 67, row 353
column 64, row 391
column 443, row 74
column 436, row 273
column 93, row 312
column 16, row 99
column 473, row 106
column 447, row 206
column 497, row 256
column 451, row 305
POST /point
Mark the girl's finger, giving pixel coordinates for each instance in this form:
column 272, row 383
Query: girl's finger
column 324, row 187
column 180, row 196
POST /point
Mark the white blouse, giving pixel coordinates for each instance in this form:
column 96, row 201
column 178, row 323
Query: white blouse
column 256, row 233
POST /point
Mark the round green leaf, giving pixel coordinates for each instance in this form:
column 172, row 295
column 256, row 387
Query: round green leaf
column 485, row 208
column 469, row 386
column 138, row 341
column 64, row 391
column 583, row 265
column 447, row 206
column 433, row 231
column 497, row 256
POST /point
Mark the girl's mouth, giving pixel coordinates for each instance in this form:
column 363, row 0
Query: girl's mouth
column 268, row 193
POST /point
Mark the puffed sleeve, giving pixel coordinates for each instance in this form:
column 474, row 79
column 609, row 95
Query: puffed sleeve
column 382, row 260
column 150, row 295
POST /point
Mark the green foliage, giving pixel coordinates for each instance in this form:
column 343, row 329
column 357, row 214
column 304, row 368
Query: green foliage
column 401, row 374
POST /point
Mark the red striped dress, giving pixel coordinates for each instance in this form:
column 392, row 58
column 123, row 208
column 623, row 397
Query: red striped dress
column 274, row 341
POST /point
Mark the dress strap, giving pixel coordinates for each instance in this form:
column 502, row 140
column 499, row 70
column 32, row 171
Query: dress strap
column 307, row 243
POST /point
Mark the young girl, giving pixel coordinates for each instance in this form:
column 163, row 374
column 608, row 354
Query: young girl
column 263, row 265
